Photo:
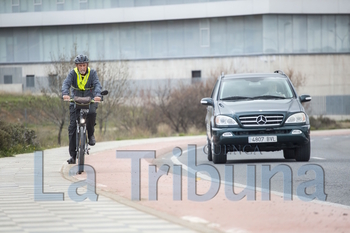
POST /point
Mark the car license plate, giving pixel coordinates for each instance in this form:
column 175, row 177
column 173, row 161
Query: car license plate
column 262, row 139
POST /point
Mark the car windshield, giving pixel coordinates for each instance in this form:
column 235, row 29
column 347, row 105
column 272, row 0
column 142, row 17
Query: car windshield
column 255, row 88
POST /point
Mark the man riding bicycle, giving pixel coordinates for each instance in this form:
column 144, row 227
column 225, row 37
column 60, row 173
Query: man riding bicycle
column 83, row 82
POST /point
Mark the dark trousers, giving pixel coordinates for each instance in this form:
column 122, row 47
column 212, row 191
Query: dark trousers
column 74, row 115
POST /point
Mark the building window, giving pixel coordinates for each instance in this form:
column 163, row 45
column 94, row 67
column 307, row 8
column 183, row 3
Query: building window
column 101, row 48
column 8, row 79
column 204, row 33
column 196, row 76
column 37, row 5
column 9, row 51
column 83, row 4
column 15, row 6
column 60, row 5
column 30, row 81
column 204, row 37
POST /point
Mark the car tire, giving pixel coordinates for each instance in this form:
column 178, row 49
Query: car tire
column 219, row 154
column 289, row 153
column 210, row 158
column 303, row 153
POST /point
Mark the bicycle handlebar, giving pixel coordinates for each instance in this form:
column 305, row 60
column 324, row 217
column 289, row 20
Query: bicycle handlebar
column 105, row 92
column 92, row 101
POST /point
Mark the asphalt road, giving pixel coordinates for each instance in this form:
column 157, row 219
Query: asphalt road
column 330, row 153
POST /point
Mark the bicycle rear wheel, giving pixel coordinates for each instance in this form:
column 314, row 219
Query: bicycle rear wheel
column 82, row 142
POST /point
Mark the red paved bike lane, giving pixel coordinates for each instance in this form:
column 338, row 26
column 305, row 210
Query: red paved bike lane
column 219, row 214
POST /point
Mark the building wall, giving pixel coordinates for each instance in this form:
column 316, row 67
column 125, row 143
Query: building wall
column 158, row 10
column 168, row 39
column 14, row 73
column 226, row 36
column 324, row 74
column 22, row 6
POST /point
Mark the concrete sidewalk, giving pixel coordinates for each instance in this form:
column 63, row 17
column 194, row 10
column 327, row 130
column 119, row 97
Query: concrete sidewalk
column 20, row 213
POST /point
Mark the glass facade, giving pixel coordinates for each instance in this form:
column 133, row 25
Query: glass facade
column 14, row 6
column 226, row 36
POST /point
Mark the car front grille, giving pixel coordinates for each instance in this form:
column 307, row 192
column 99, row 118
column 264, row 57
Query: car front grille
column 261, row 120
column 261, row 132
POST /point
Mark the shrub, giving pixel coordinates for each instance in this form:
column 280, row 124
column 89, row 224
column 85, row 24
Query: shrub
column 179, row 106
column 16, row 139
column 322, row 122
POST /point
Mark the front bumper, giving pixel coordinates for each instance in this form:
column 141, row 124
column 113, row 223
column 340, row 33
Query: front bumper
column 285, row 137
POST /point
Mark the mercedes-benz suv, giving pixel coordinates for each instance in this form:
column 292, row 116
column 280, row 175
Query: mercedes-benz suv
column 256, row 112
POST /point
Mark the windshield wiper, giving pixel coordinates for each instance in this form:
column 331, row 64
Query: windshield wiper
column 268, row 97
column 236, row 97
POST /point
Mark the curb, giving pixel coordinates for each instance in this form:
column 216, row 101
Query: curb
column 331, row 132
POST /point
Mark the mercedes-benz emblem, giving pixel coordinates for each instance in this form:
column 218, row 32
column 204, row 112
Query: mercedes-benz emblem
column 261, row 120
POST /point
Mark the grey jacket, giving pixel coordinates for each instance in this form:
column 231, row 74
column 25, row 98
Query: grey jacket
column 72, row 81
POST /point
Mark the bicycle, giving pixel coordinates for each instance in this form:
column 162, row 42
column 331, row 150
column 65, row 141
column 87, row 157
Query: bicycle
column 82, row 146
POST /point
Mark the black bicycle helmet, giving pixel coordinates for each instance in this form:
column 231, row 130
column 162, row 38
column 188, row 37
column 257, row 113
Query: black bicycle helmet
column 81, row 59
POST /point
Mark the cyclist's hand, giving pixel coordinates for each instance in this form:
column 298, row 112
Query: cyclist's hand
column 66, row 97
column 97, row 99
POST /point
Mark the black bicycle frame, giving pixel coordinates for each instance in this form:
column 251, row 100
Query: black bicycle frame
column 81, row 139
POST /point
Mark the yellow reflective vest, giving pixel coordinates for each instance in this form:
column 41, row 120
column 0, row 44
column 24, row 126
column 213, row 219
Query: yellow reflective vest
column 80, row 81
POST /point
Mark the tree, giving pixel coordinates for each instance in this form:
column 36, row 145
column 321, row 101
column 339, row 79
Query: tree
column 180, row 105
column 54, row 108
column 298, row 79
column 229, row 68
column 138, row 114
column 115, row 80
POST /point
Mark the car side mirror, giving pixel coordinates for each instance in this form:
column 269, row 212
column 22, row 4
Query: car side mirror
column 305, row 98
column 207, row 101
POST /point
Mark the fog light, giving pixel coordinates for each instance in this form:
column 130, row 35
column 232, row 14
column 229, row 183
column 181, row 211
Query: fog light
column 227, row 134
column 82, row 121
column 296, row 131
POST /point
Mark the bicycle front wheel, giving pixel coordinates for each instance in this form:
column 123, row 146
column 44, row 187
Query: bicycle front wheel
column 82, row 149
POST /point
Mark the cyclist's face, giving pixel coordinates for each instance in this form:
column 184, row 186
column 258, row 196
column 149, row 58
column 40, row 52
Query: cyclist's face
column 82, row 68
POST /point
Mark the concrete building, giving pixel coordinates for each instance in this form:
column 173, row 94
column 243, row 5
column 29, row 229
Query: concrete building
column 185, row 39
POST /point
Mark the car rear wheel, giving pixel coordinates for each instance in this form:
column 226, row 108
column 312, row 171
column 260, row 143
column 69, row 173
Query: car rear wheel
column 210, row 158
column 303, row 153
column 219, row 154
column 289, row 153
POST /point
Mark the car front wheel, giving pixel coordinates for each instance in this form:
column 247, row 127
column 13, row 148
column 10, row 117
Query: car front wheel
column 219, row 154
column 289, row 153
column 303, row 153
column 210, row 158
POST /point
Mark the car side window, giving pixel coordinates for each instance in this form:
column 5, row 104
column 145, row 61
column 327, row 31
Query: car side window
column 215, row 89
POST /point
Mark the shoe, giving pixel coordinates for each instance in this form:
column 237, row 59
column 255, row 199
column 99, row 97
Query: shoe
column 71, row 160
column 92, row 140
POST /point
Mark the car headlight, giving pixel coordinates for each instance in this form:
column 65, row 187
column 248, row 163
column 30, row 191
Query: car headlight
column 297, row 118
column 224, row 120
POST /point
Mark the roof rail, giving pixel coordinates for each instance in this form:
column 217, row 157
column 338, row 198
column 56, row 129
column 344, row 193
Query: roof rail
column 280, row 72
